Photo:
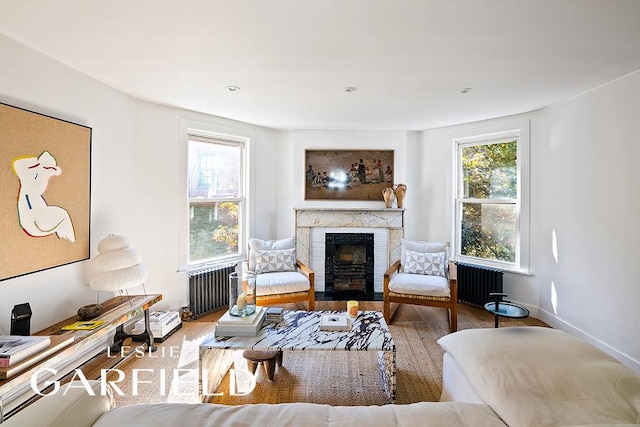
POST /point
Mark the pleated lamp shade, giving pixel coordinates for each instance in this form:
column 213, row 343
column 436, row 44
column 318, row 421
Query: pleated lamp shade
column 117, row 266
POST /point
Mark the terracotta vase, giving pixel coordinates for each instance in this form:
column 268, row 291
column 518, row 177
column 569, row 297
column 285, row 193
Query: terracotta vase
column 400, row 191
column 388, row 195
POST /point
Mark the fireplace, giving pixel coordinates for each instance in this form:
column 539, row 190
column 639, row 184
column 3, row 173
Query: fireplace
column 349, row 265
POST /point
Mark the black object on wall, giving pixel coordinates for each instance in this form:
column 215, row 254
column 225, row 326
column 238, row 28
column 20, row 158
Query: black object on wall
column 21, row 319
column 475, row 283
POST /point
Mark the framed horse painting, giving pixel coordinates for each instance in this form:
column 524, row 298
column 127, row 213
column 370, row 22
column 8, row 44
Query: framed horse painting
column 347, row 174
column 45, row 170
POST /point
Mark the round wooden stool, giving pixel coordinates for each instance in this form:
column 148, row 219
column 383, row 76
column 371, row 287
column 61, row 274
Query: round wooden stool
column 268, row 358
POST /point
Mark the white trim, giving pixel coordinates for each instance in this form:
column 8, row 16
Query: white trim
column 497, row 133
column 553, row 321
column 221, row 133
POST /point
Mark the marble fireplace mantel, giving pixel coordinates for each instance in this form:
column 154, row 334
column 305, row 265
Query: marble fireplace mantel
column 387, row 224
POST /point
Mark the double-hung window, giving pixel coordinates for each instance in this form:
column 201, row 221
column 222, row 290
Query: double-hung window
column 216, row 196
column 491, row 203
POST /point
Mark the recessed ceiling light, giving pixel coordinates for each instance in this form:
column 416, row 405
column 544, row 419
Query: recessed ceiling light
column 233, row 88
column 466, row 90
column 350, row 89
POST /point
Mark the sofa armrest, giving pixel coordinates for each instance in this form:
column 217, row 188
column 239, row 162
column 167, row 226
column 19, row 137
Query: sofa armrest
column 71, row 405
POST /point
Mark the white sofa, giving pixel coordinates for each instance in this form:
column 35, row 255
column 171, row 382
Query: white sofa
column 515, row 376
column 534, row 376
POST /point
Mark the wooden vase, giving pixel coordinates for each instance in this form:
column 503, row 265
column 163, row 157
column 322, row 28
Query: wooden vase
column 400, row 192
column 388, row 195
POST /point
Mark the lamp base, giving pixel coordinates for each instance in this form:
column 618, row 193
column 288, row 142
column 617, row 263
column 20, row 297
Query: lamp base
column 90, row 311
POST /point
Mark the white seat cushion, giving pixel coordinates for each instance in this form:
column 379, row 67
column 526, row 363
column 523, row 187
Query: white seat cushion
column 420, row 284
column 281, row 282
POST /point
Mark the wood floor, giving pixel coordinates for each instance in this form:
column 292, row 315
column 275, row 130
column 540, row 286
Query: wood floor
column 401, row 312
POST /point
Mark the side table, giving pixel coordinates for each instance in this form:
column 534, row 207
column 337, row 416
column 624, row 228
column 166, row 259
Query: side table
column 501, row 308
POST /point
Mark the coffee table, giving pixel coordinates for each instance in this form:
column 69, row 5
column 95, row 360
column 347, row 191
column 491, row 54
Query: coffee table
column 299, row 330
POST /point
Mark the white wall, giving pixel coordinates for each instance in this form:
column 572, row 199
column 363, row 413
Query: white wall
column 136, row 164
column 584, row 191
column 291, row 185
column 586, row 194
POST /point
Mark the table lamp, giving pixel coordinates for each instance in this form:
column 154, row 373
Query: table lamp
column 116, row 268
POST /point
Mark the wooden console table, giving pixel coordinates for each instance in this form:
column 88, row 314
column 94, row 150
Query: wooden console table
column 16, row 392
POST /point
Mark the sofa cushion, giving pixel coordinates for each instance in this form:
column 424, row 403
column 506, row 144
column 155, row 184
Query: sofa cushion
column 535, row 376
column 71, row 405
column 419, row 284
column 281, row 283
column 451, row 414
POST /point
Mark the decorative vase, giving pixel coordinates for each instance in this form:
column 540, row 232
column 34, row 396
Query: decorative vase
column 387, row 194
column 242, row 294
column 400, row 191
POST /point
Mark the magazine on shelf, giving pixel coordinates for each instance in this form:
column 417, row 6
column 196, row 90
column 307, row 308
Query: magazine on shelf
column 14, row 348
column 58, row 342
column 84, row 325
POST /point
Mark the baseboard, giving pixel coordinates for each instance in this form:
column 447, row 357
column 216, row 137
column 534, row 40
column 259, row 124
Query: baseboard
column 557, row 323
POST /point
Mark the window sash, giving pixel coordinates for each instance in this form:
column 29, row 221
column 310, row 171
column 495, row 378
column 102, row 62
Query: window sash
column 239, row 199
column 460, row 199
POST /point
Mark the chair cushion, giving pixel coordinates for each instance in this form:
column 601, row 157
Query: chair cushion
column 420, row 284
column 424, row 247
column 431, row 263
column 281, row 283
column 265, row 245
column 272, row 260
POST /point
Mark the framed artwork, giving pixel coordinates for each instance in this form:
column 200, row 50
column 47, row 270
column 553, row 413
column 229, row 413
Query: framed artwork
column 45, row 171
column 347, row 174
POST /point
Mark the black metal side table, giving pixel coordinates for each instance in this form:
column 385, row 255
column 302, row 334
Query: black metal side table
column 502, row 308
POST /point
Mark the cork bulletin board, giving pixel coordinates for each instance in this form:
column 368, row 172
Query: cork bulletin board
column 45, row 174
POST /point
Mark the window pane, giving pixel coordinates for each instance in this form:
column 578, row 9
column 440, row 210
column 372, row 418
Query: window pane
column 490, row 171
column 214, row 170
column 489, row 231
column 214, row 230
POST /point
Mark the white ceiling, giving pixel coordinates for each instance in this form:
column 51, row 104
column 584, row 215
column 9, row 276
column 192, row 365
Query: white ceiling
column 292, row 58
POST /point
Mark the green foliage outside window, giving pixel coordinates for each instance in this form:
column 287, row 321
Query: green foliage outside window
column 489, row 219
column 214, row 230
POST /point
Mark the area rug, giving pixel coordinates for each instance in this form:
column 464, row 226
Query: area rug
column 336, row 378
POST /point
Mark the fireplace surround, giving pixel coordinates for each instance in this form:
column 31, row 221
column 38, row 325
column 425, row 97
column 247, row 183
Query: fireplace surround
column 312, row 225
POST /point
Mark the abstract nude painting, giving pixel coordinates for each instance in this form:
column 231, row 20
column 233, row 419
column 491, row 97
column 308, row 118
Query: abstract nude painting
column 347, row 174
column 45, row 170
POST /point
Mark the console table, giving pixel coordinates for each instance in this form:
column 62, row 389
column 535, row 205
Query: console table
column 16, row 392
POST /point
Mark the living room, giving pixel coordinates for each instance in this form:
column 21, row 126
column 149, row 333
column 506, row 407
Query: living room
column 582, row 273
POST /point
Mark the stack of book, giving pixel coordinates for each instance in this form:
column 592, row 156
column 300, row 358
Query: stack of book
column 163, row 324
column 232, row 326
column 18, row 353
column 14, row 348
column 274, row 314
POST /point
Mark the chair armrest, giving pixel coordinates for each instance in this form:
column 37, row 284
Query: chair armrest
column 453, row 271
column 453, row 280
column 395, row 267
column 307, row 271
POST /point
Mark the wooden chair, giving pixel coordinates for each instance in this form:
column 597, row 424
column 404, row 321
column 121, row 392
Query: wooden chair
column 420, row 289
column 282, row 287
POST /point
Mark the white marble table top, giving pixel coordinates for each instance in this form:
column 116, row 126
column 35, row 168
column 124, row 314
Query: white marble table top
column 299, row 330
